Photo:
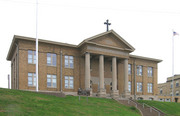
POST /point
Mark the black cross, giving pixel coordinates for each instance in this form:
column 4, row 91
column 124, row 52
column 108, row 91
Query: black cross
column 107, row 23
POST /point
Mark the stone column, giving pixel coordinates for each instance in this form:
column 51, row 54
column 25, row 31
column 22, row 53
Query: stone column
column 114, row 92
column 126, row 92
column 87, row 71
column 102, row 90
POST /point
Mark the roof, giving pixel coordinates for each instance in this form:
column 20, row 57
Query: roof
column 145, row 58
column 17, row 37
column 105, row 33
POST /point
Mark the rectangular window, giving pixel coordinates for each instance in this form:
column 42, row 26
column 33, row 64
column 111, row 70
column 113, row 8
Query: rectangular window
column 139, row 70
column 129, row 86
column 69, row 82
column 161, row 91
column 177, row 83
column 51, row 59
column 139, row 87
column 31, row 79
column 171, row 85
column 150, row 71
column 51, row 81
column 31, row 57
column 69, row 61
column 149, row 88
column 129, row 69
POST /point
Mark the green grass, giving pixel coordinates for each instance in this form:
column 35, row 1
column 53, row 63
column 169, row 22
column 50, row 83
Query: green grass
column 16, row 102
column 167, row 107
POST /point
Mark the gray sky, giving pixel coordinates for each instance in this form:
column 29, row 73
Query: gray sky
column 146, row 24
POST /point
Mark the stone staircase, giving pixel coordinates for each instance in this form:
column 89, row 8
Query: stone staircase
column 144, row 109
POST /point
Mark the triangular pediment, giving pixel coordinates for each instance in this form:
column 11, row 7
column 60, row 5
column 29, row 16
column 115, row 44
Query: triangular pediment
column 110, row 39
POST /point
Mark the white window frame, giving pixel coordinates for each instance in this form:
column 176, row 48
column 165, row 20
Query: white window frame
column 129, row 69
column 139, row 87
column 51, row 59
column 52, row 80
column 129, row 86
column 32, row 79
column 68, row 61
column 150, row 88
column 31, row 57
column 150, row 71
column 69, row 82
column 139, row 70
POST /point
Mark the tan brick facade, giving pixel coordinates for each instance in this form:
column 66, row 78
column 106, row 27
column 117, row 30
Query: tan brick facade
column 108, row 44
column 165, row 90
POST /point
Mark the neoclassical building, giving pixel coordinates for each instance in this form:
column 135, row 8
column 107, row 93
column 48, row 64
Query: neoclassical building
column 102, row 64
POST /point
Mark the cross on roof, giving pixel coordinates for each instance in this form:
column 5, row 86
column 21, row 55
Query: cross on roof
column 107, row 23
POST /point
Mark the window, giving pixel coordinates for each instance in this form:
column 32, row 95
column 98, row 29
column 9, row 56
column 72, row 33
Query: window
column 150, row 71
column 111, row 86
column 69, row 62
column 171, row 84
column 177, row 93
column 161, row 91
column 51, row 59
column 69, row 82
column 31, row 57
column 129, row 69
column 177, row 83
column 171, row 94
column 129, row 86
column 51, row 81
column 139, row 70
column 149, row 87
column 168, row 100
column 31, row 79
column 139, row 87
column 161, row 99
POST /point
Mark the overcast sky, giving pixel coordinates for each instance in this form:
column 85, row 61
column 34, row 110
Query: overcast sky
column 146, row 24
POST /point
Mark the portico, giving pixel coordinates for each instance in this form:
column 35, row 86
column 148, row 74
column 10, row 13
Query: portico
column 112, row 48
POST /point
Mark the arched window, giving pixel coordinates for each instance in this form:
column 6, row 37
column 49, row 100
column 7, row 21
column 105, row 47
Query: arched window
column 177, row 83
column 177, row 93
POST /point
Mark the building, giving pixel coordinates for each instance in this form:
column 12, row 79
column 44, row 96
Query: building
column 102, row 64
column 166, row 90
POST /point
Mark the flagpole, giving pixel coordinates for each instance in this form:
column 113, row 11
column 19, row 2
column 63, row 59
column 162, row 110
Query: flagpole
column 173, row 67
column 36, row 45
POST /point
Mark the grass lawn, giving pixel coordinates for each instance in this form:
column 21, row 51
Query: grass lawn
column 167, row 107
column 16, row 102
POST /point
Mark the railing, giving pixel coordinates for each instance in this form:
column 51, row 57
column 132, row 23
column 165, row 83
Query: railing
column 151, row 108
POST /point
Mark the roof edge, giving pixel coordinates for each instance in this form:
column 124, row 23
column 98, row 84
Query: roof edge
column 145, row 58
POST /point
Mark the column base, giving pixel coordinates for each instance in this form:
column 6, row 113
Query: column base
column 114, row 93
column 101, row 93
column 126, row 95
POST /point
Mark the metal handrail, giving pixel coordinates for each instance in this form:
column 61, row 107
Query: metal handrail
column 151, row 108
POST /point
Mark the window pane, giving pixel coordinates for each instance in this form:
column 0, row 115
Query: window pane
column 71, row 57
column 48, row 80
column 29, row 74
column 70, row 77
column 49, row 84
column 71, row 63
column 66, row 57
column 66, row 63
column 66, row 81
column 66, row 85
column 29, row 79
column 66, row 77
column 54, row 80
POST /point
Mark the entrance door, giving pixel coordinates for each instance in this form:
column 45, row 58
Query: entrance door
column 176, row 100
